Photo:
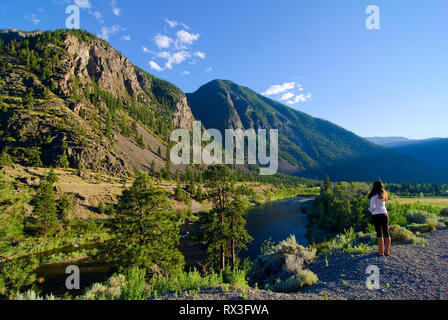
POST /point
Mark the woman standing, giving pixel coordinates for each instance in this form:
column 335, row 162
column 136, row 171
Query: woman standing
column 380, row 217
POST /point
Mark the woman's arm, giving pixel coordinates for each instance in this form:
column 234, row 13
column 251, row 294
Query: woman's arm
column 372, row 204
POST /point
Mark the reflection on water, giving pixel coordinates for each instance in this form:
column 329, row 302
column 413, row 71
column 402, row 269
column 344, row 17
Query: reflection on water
column 54, row 274
column 276, row 220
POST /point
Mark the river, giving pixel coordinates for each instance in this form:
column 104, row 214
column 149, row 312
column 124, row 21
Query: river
column 276, row 220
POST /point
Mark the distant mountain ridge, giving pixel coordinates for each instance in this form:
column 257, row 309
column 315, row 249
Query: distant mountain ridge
column 308, row 146
column 433, row 151
column 390, row 142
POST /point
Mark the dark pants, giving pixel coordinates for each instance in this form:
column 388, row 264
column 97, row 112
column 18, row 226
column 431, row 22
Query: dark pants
column 381, row 223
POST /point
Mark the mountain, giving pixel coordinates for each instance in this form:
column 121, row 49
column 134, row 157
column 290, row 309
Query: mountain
column 68, row 95
column 388, row 141
column 432, row 152
column 308, row 146
column 391, row 142
column 68, row 98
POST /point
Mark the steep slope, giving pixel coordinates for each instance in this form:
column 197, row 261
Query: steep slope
column 308, row 146
column 431, row 152
column 68, row 94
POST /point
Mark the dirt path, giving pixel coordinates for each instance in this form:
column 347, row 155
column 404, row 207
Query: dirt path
column 413, row 272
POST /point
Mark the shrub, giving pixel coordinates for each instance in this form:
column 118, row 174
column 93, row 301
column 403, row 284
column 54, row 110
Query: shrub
column 281, row 269
column 294, row 283
column 346, row 243
column 32, row 295
column 419, row 217
column 444, row 212
column 183, row 281
column 134, row 287
column 400, row 234
column 237, row 278
column 111, row 290
column 420, row 227
column 422, row 221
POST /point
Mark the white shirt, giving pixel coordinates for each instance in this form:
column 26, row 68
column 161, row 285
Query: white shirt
column 377, row 205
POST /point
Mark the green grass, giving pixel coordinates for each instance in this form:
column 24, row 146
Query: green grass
column 134, row 287
column 433, row 201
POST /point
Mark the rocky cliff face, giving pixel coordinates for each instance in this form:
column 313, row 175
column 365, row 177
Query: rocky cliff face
column 70, row 94
column 114, row 73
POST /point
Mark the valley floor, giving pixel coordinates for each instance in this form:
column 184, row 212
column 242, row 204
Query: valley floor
column 413, row 272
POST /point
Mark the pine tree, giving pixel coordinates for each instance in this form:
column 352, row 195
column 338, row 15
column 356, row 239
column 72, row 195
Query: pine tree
column 238, row 234
column 101, row 208
column 109, row 129
column 223, row 229
column 63, row 161
column 153, row 167
column 179, row 194
column 147, row 229
column 45, row 207
column 327, row 184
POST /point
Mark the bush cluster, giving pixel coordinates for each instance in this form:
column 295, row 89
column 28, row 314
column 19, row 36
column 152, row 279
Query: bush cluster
column 281, row 268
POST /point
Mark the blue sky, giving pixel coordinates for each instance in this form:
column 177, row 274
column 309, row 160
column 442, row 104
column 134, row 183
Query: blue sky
column 317, row 55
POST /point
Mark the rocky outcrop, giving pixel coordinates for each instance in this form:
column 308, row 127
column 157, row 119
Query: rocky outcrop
column 183, row 117
column 98, row 61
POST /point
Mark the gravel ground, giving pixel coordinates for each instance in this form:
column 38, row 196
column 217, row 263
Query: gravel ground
column 412, row 272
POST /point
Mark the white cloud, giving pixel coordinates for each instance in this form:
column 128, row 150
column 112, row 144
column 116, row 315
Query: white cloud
column 209, row 69
column 106, row 32
column 176, row 58
column 85, row 4
column 171, row 23
column 186, row 37
column 287, row 96
column 116, row 11
column 200, row 54
column 35, row 20
column 155, row 66
column 98, row 16
column 186, row 73
column 174, row 47
column 300, row 98
column 174, row 24
column 162, row 41
column 126, row 37
column 279, row 88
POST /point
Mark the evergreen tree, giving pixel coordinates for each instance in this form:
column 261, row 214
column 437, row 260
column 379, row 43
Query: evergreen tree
column 45, row 207
column 238, row 234
column 153, row 167
column 63, row 161
column 223, row 229
column 101, row 208
column 147, row 229
column 327, row 184
column 179, row 194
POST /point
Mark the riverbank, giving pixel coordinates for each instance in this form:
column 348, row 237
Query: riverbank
column 276, row 220
column 412, row 272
